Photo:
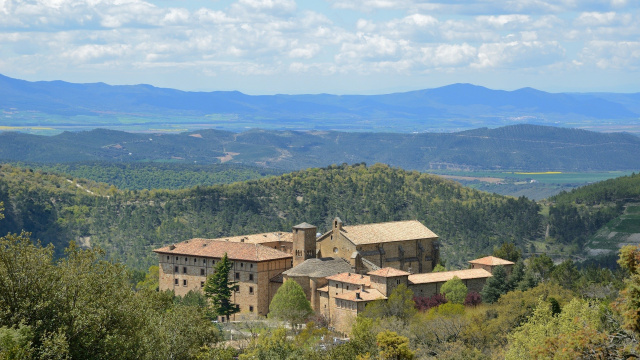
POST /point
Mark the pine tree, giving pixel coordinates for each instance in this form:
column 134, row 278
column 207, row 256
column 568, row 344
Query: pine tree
column 495, row 286
column 218, row 289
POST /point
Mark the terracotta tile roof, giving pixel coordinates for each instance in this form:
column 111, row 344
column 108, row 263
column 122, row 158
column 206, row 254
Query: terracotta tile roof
column 259, row 238
column 387, row 232
column 491, row 261
column 367, row 295
column 321, row 267
column 216, row 249
column 351, row 278
column 389, row 272
column 443, row 276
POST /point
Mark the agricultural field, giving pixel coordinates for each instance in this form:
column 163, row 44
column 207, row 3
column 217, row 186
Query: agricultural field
column 532, row 184
column 623, row 230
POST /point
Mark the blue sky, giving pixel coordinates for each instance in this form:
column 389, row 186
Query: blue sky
column 325, row 46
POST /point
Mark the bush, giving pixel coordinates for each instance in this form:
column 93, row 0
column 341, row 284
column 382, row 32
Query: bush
column 424, row 303
column 473, row 299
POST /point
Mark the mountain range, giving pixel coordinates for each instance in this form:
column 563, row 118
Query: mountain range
column 459, row 106
column 524, row 147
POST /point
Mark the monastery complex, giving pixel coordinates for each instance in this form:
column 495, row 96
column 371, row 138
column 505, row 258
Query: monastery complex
column 340, row 271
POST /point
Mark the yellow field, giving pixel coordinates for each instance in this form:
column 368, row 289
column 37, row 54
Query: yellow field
column 539, row 173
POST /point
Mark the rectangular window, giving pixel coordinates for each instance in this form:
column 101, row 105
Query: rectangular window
column 250, row 289
column 201, row 271
column 241, row 264
column 201, row 284
column 176, row 269
column 238, row 288
column 251, row 266
column 250, row 308
column 237, row 275
column 250, row 277
column 204, row 261
column 186, row 260
column 167, row 257
column 184, row 282
column 175, row 281
column 184, row 270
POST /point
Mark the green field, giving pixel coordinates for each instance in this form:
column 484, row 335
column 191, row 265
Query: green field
column 541, row 177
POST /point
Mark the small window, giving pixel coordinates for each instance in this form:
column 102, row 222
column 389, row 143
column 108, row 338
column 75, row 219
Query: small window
column 204, row 261
column 237, row 275
column 176, row 269
column 194, row 260
column 202, row 272
column 184, row 270
column 250, row 289
column 201, row 284
column 250, row 308
column 398, row 282
column 167, row 257
column 237, row 288
column 241, row 264
column 250, row 277
column 176, row 258
column 347, row 287
column 185, row 259
column 175, row 281
column 335, row 250
column 184, row 282
column 251, row 266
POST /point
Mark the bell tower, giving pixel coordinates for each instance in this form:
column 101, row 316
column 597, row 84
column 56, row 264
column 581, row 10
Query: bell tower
column 304, row 243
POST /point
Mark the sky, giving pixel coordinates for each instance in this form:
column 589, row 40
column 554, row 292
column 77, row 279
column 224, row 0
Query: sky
column 325, row 46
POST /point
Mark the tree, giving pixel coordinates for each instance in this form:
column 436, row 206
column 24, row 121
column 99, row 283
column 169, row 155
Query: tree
column 151, row 279
column 508, row 251
column 393, row 346
column 495, row 285
column 439, row 268
column 399, row 304
column 290, row 304
column 218, row 289
column 454, row 290
column 566, row 274
column 575, row 333
column 542, row 266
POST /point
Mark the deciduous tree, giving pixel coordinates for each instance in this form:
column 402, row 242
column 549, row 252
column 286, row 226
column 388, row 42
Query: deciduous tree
column 454, row 290
column 290, row 304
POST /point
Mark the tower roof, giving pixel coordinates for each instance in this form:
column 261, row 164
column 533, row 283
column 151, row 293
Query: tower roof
column 304, row 225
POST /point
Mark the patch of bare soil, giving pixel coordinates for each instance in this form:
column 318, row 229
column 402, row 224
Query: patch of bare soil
column 491, row 180
column 228, row 156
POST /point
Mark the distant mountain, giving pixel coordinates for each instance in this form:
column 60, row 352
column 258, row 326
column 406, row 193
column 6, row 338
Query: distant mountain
column 526, row 147
column 458, row 106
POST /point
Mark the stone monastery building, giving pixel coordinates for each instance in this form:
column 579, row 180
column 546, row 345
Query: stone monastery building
column 340, row 271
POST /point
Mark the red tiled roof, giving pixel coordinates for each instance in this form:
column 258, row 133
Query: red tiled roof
column 258, row 238
column 435, row 277
column 389, row 272
column 216, row 249
column 387, row 232
column 351, row 278
column 491, row 261
column 367, row 295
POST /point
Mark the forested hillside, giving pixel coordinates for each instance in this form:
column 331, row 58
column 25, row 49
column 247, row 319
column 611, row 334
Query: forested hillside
column 518, row 147
column 129, row 224
column 139, row 176
column 603, row 216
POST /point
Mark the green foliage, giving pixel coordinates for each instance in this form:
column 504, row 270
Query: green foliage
column 151, row 279
column 393, row 347
column 566, row 274
column 439, row 268
column 15, row 343
column 82, row 306
column 290, row 303
column 129, row 224
column 507, row 251
column 454, row 290
column 399, row 304
column 541, row 266
column 272, row 345
column 218, row 289
column 495, row 285
column 575, row 333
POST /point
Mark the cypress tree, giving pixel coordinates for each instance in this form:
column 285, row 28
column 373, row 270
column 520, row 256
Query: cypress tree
column 218, row 290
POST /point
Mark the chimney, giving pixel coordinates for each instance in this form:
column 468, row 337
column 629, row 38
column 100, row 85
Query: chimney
column 172, row 246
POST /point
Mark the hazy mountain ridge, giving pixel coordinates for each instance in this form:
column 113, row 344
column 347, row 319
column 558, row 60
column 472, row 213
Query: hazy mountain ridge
column 453, row 106
column 526, row 147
